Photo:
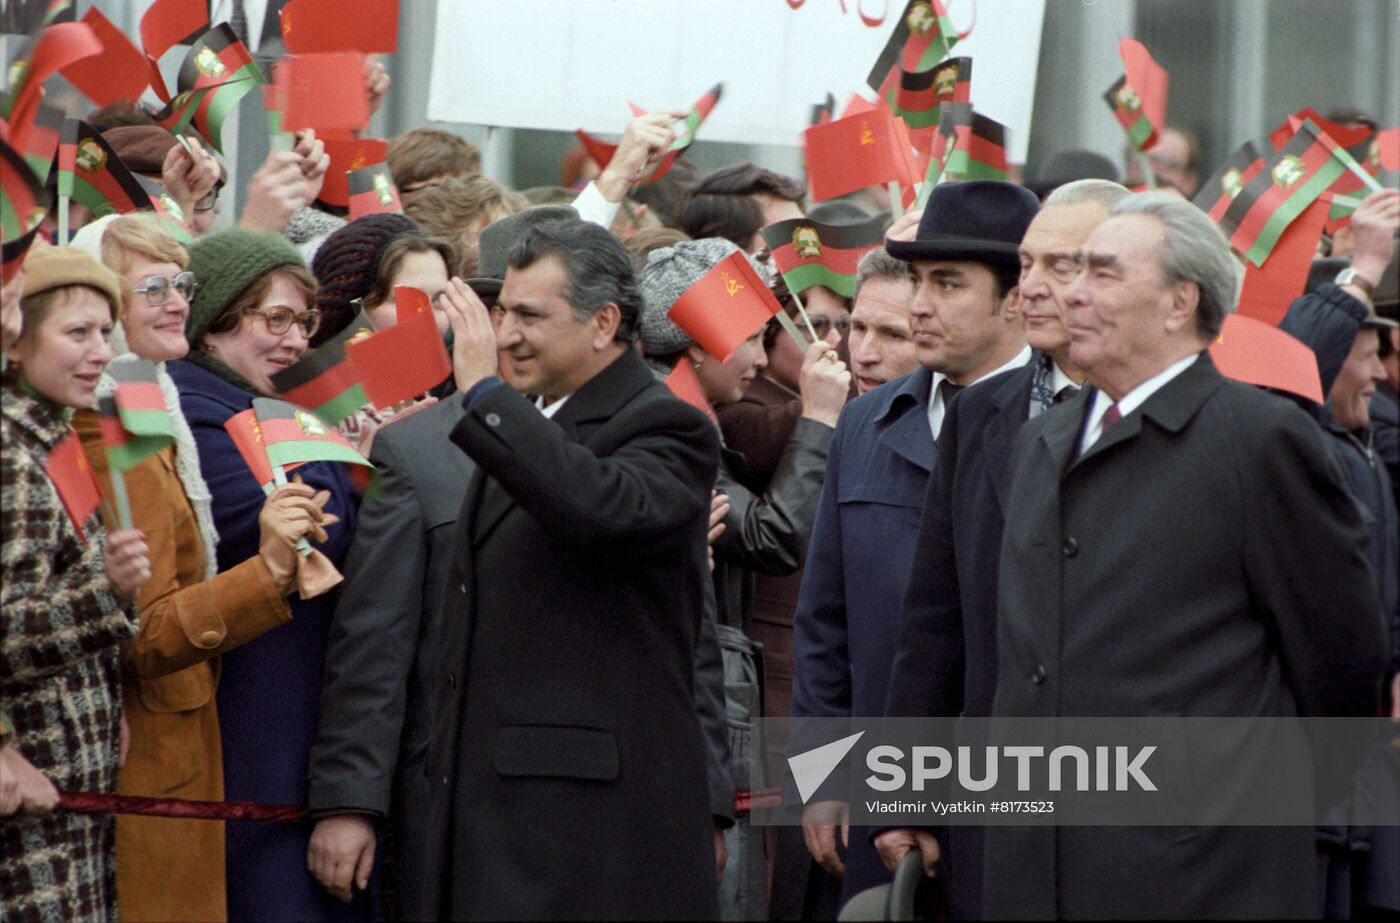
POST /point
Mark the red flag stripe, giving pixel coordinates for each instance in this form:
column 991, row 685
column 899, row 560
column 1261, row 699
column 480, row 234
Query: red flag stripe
column 837, row 260
column 1217, row 211
column 329, row 384
column 140, row 395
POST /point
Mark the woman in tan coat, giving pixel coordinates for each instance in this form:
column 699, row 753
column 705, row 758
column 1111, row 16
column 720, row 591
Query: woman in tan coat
column 170, row 869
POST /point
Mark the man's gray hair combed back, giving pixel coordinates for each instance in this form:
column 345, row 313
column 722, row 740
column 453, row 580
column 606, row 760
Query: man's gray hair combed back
column 1193, row 250
column 1105, row 192
column 878, row 264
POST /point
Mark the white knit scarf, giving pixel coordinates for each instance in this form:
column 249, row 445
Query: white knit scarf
column 186, row 454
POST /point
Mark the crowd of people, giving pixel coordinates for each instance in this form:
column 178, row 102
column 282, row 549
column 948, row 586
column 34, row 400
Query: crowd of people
column 516, row 675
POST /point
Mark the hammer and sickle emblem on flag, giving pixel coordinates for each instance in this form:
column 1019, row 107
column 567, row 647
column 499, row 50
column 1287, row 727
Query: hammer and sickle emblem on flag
column 1289, row 171
column 257, row 432
column 732, row 286
column 866, row 135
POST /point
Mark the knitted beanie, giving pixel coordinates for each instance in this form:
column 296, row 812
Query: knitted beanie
column 668, row 273
column 225, row 264
column 347, row 262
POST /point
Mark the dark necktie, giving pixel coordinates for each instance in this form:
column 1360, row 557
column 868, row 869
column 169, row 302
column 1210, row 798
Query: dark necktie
column 948, row 389
column 1111, row 416
column 238, row 21
column 1065, row 394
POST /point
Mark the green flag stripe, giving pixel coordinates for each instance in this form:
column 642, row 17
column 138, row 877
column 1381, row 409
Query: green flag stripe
column 963, row 166
column 293, row 451
column 1280, row 220
column 155, row 423
column 1140, row 132
column 131, row 453
column 804, row 277
column 342, row 405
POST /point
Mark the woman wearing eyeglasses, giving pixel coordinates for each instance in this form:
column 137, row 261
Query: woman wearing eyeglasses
column 251, row 316
column 174, row 869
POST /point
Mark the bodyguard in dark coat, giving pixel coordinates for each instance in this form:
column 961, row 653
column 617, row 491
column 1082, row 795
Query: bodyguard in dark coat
column 567, row 764
column 1176, row 545
column 962, row 313
column 946, row 661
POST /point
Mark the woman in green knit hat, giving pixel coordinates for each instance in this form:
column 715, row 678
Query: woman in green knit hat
column 251, row 316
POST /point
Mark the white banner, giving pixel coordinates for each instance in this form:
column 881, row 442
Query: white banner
column 568, row 65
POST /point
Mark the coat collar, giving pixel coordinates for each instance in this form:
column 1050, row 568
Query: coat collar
column 1170, row 409
column 38, row 418
column 902, row 418
column 605, row 393
column 1012, row 400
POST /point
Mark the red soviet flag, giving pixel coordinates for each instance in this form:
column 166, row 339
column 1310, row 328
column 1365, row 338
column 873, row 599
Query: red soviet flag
column 402, row 361
column 855, row 152
column 725, row 307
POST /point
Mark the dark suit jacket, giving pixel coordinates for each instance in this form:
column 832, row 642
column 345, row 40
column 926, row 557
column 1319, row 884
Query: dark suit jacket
column 567, row 763
column 945, row 665
column 1202, row 558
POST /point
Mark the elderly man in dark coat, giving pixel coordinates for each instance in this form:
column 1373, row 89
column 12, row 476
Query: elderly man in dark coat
column 567, row 764
column 1176, row 545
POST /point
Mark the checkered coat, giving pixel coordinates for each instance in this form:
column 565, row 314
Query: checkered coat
column 60, row 627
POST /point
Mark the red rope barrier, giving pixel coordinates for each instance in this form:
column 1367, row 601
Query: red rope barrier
column 99, row 803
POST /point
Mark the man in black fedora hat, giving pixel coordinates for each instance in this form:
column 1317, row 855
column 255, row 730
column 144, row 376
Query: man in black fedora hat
column 964, row 263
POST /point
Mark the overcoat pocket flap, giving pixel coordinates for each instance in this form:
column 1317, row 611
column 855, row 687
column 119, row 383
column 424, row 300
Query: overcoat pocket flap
column 551, row 750
column 183, row 690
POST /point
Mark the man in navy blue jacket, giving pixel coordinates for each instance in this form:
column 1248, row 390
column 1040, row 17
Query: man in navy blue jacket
column 966, row 327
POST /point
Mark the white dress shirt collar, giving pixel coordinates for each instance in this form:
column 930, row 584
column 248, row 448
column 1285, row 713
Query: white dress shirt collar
column 1130, row 401
column 936, row 408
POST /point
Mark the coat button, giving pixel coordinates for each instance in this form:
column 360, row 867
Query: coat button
column 451, row 681
column 209, row 638
column 493, row 419
column 1070, row 547
column 463, row 588
column 1038, row 677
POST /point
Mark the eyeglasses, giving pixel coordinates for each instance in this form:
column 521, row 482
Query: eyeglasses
column 208, row 202
column 821, row 324
column 157, row 288
column 279, row 319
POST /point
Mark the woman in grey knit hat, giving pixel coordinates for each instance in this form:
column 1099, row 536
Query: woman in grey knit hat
column 763, row 533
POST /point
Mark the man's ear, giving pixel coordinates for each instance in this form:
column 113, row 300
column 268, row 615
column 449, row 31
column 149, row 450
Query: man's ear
column 1185, row 300
column 1011, row 306
column 605, row 322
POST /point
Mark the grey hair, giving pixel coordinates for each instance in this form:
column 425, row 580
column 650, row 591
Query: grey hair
column 878, row 264
column 1105, row 192
column 599, row 269
column 1193, row 250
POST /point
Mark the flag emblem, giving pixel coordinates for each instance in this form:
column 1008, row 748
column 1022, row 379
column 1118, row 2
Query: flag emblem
column 921, row 19
column 207, row 63
column 90, row 157
column 866, row 135
column 1289, row 171
column 731, row 285
column 945, row 80
column 1232, row 182
column 309, row 423
column 383, row 190
column 806, row 243
column 1127, row 98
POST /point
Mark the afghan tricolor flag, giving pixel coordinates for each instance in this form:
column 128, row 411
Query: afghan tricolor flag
column 923, row 36
column 725, row 307
column 810, row 253
column 969, row 145
column 920, row 96
column 135, row 421
column 1292, row 179
column 91, row 173
column 74, row 480
column 325, row 380
column 292, row 436
column 24, row 202
column 1220, row 190
column 602, row 152
column 218, row 59
column 372, row 191
column 1139, row 98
